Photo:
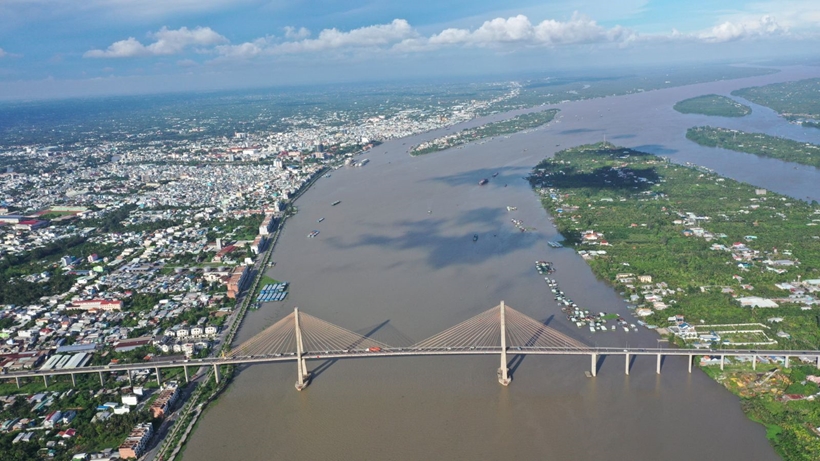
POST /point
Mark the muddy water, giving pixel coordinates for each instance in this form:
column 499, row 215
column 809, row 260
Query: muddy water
column 396, row 260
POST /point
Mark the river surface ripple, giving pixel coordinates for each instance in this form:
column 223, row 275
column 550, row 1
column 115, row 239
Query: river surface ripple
column 396, row 259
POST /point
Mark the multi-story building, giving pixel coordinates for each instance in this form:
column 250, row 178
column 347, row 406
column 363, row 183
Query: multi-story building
column 134, row 445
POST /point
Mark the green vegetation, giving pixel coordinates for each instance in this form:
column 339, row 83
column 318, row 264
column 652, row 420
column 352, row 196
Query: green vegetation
column 82, row 398
column 638, row 219
column 513, row 125
column 796, row 101
column 759, row 144
column 713, row 104
column 634, row 199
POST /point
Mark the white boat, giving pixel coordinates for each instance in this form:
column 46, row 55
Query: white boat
column 626, row 329
column 592, row 328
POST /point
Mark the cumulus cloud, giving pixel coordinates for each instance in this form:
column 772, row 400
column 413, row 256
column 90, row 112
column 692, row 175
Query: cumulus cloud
column 369, row 36
column 166, row 42
column 731, row 31
column 399, row 36
column 293, row 33
column 243, row 50
column 519, row 30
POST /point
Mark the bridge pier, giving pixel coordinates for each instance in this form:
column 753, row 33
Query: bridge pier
column 102, row 381
column 594, row 364
column 302, row 375
column 721, row 362
column 185, row 369
column 17, row 380
column 691, row 359
column 73, row 382
column 818, row 361
column 45, row 380
column 503, row 371
column 216, row 373
column 626, row 365
column 658, row 365
column 787, row 361
column 754, row 362
column 159, row 377
column 128, row 373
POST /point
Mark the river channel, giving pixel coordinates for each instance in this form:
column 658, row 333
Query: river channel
column 396, row 260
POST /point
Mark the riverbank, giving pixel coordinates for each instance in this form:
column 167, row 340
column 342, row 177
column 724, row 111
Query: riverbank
column 516, row 124
column 758, row 144
column 694, row 253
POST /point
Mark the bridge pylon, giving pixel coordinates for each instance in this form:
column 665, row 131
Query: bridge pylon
column 503, row 371
column 302, row 374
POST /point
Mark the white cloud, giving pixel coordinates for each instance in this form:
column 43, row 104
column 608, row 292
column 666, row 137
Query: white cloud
column 399, row 36
column 3, row 53
column 296, row 34
column 370, row 36
column 243, row 50
column 167, row 42
column 519, row 30
column 731, row 31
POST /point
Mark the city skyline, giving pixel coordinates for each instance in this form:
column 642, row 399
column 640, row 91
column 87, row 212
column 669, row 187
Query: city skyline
column 58, row 49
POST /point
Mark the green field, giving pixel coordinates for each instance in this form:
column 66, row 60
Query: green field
column 504, row 127
column 797, row 101
column 757, row 144
column 713, row 104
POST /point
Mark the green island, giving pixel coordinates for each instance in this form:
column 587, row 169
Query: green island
column 759, row 144
column 798, row 101
column 698, row 256
column 713, row 104
column 504, row 127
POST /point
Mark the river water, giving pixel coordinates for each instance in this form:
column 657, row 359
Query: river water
column 396, row 260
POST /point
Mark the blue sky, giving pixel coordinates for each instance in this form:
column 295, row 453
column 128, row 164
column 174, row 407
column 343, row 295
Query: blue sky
column 54, row 48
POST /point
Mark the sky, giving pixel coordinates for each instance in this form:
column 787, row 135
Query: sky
column 67, row 48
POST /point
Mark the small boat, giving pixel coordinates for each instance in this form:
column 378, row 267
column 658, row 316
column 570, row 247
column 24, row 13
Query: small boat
column 475, row 237
column 483, row 181
column 495, row 174
column 336, row 203
column 592, row 328
column 320, row 219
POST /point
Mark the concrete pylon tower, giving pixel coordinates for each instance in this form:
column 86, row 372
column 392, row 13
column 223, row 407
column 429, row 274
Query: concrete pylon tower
column 302, row 375
column 503, row 371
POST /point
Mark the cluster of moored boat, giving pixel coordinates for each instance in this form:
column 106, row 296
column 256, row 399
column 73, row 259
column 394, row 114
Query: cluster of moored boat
column 544, row 267
column 581, row 317
column 313, row 234
column 519, row 224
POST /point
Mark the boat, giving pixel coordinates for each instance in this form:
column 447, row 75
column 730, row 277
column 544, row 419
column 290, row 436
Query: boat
column 483, row 181
column 320, row 219
column 475, row 237
column 495, row 174
column 336, row 203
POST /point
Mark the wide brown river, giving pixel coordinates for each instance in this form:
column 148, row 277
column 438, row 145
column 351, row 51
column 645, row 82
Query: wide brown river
column 396, row 260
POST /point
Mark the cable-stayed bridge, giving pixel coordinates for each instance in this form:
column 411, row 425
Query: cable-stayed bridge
column 501, row 330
